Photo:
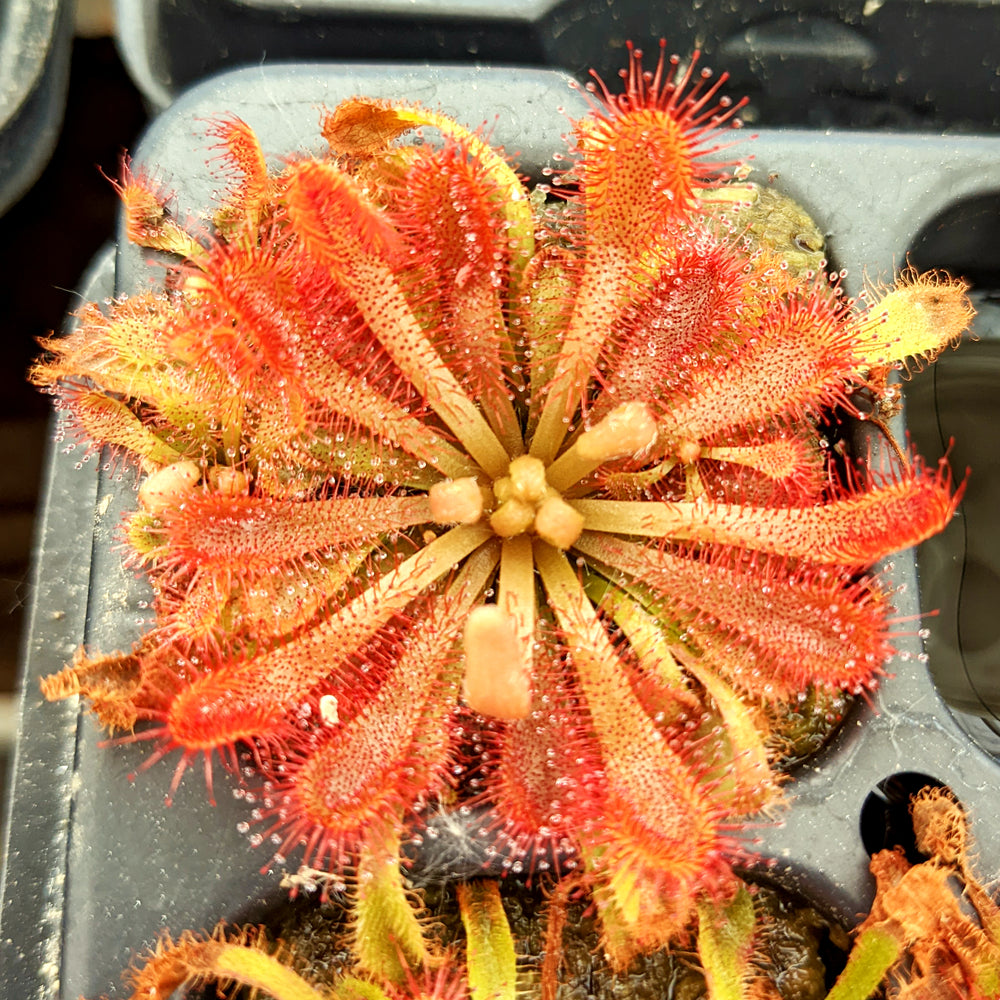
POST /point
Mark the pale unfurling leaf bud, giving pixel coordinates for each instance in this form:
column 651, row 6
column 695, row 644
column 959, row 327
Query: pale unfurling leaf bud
column 557, row 522
column 625, row 431
column 456, row 501
column 497, row 667
column 166, row 486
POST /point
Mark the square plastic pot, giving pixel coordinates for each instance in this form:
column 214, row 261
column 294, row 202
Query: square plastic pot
column 818, row 62
column 35, row 38
column 95, row 865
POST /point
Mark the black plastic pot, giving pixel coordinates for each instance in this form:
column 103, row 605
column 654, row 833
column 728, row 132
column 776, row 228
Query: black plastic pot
column 817, row 62
column 953, row 408
column 35, row 40
column 95, row 865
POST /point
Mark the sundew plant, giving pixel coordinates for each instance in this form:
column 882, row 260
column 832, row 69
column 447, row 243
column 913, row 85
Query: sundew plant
column 462, row 494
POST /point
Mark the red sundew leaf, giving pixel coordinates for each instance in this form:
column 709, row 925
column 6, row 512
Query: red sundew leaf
column 638, row 170
column 196, row 609
column 304, row 327
column 147, row 221
column 796, row 361
column 240, row 316
column 450, row 213
column 695, row 300
column 389, row 758
column 854, row 529
column 231, row 958
column 249, row 697
column 658, row 835
column 344, row 232
column 104, row 420
column 352, row 412
column 246, row 202
column 771, row 626
column 246, row 533
column 538, row 773
column 288, row 340
column 277, row 327
column 641, row 154
column 336, row 222
column 862, row 526
column 295, row 317
column 257, row 568
column 782, row 468
column 235, row 609
column 390, row 753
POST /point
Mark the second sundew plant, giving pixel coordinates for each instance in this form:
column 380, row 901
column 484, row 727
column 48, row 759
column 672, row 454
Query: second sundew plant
column 465, row 495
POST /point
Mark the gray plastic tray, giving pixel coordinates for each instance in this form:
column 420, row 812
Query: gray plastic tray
column 95, row 866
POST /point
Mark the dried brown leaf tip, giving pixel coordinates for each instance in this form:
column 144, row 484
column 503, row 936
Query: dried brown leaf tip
column 460, row 491
column 933, row 930
column 227, row 959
